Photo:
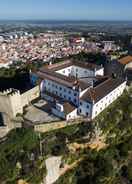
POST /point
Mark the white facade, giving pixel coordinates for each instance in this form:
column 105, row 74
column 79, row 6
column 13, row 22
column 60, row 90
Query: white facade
column 91, row 110
column 85, row 109
column 70, row 116
column 80, row 72
column 61, row 91
column 107, row 100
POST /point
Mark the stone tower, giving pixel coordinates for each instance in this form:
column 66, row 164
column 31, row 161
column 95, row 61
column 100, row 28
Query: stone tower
column 10, row 106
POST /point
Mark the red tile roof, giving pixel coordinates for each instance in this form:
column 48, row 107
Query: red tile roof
column 101, row 90
column 125, row 60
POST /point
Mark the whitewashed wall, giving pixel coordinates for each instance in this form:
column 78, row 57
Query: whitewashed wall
column 72, row 115
column 58, row 113
column 100, row 72
column 85, row 109
column 61, row 91
column 79, row 72
column 107, row 100
column 65, row 71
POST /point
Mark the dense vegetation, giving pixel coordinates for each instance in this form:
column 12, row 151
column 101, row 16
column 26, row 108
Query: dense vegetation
column 23, row 153
column 17, row 76
column 114, row 164
column 19, row 156
column 96, row 58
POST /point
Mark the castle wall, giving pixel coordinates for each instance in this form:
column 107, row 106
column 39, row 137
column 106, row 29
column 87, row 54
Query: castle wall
column 12, row 103
column 15, row 100
column 30, row 95
column 5, row 105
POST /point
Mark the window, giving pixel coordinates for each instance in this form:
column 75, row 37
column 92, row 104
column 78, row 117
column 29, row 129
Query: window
column 80, row 111
column 69, row 92
column 63, row 71
column 60, row 88
column 75, row 94
column 48, row 83
column 87, row 113
column 96, row 112
column 80, row 103
column 64, row 90
column 69, row 98
column 56, row 87
column 87, row 106
column 75, row 101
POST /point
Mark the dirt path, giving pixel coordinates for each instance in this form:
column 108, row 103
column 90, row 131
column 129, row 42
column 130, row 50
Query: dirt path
column 97, row 144
column 21, row 182
column 69, row 167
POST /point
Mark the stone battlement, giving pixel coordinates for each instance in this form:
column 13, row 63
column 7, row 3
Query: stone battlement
column 10, row 92
column 12, row 103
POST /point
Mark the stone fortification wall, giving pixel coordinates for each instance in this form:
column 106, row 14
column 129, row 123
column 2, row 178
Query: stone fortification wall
column 30, row 95
column 11, row 104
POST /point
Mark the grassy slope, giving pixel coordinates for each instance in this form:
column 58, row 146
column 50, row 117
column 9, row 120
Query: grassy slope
column 114, row 164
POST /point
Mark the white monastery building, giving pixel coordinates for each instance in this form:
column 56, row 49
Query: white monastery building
column 77, row 89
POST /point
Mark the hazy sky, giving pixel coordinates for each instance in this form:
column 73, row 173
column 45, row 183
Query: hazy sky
column 66, row 9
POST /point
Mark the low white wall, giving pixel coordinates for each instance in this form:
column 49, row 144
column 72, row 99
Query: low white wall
column 58, row 113
column 47, row 97
column 73, row 115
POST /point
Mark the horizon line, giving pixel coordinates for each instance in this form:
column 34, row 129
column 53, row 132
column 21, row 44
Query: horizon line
column 76, row 20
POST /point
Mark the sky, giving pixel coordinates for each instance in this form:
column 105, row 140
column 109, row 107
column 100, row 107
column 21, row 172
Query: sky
column 66, row 9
